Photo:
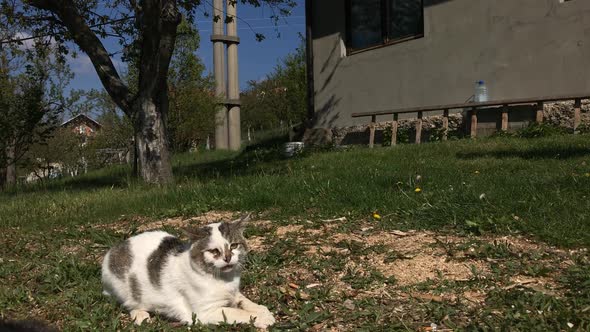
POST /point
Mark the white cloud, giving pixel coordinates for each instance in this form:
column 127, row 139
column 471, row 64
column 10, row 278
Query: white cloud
column 28, row 43
column 81, row 64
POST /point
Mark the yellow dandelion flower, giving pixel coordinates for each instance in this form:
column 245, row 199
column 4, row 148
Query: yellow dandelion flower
column 376, row 216
column 417, row 190
column 587, row 175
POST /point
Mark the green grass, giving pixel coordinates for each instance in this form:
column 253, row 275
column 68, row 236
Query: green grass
column 543, row 183
column 538, row 188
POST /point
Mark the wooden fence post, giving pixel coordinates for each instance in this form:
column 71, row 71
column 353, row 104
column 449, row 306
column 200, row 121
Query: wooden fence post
column 394, row 130
column 504, row 118
column 539, row 117
column 445, row 124
column 577, row 110
column 372, row 131
column 419, row 128
column 473, row 123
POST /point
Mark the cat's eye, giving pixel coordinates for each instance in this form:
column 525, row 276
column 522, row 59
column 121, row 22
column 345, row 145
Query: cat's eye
column 234, row 246
column 215, row 252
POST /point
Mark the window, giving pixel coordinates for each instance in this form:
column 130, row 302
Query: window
column 373, row 23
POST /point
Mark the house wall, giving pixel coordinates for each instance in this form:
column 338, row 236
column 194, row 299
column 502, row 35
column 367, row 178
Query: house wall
column 83, row 128
column 520, row 48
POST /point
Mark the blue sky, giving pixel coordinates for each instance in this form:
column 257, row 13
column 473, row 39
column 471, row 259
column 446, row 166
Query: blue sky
column 256, row 59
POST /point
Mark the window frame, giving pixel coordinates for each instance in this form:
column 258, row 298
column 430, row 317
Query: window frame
column 385, row 28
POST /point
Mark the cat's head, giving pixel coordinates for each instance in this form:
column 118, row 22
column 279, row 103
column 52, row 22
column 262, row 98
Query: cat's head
column 219, row 247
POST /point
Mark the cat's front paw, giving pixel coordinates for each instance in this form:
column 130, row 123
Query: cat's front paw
column 260, row 309
column 264, row 318
column 139, row 316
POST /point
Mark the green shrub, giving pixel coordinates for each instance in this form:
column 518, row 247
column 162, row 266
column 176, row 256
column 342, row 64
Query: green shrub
column 403, row 135
column 583, row 129
column 535, row 130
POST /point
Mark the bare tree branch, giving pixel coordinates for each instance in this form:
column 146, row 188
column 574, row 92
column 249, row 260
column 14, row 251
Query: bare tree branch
column 92, row 46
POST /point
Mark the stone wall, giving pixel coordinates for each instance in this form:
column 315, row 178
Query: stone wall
column 560, row 114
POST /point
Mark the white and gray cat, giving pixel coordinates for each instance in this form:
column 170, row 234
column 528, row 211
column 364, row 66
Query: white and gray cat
column 156, row 272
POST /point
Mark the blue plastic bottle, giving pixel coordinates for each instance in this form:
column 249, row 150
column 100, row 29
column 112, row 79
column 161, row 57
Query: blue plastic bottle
column 481, row 92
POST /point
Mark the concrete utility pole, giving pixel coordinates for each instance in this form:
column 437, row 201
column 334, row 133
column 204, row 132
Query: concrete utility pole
column 221, row 130
column 235, row 135
column 227, row 131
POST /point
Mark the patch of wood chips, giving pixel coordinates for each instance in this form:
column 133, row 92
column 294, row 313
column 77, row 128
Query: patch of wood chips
column 418, row 255
column 125, row 225
column 411, row 257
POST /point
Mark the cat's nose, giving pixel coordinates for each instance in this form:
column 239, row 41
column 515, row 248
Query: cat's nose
column 227, row 257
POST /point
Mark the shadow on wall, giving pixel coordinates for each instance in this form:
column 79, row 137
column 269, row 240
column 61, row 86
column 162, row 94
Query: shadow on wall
column 330, row 16
column 326, row 64
column 328, row 22
column 404, row 136
column 489, row 123
column 428, row 3
column 324, row 112
column 361, row 137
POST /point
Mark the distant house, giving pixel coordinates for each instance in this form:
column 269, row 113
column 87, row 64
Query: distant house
column 83, row 125
column 86, row 126
column 80, row 124
column 371, row 55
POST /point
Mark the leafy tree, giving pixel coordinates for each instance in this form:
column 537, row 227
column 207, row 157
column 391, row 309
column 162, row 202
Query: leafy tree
column 29, row 104
column 64, row 153
column 114, row 137
column 291, row 74
column 147, row 29
column 93, row 103
column 192, row 102
column 263, row 103
column 280, row 99
column 68, row 153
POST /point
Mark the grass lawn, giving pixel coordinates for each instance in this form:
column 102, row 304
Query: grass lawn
column 494, row 238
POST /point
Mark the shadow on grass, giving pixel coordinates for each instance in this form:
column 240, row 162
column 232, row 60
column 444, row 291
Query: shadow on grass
column 118, row 176
column 264, row 151
column 531, row 153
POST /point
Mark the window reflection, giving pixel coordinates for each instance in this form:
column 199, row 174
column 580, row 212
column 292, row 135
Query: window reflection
column 365, row 22
column 405, row 18
column 379, row 22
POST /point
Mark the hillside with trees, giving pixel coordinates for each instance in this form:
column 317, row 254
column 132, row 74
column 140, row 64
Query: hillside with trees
column 278, row 101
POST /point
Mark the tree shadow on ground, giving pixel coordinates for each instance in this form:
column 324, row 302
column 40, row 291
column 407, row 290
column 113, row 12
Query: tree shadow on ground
column 530, row 153
column 116, row 177
column 264, row 151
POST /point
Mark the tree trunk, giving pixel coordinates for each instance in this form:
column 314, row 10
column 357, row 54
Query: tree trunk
column 11, row 164
column 157, row 22
column 152, row 141
column 2, row 177
column 135, row 157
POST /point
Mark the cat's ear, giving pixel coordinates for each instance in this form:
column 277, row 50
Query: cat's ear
column 197, row 233
column 241, row 222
